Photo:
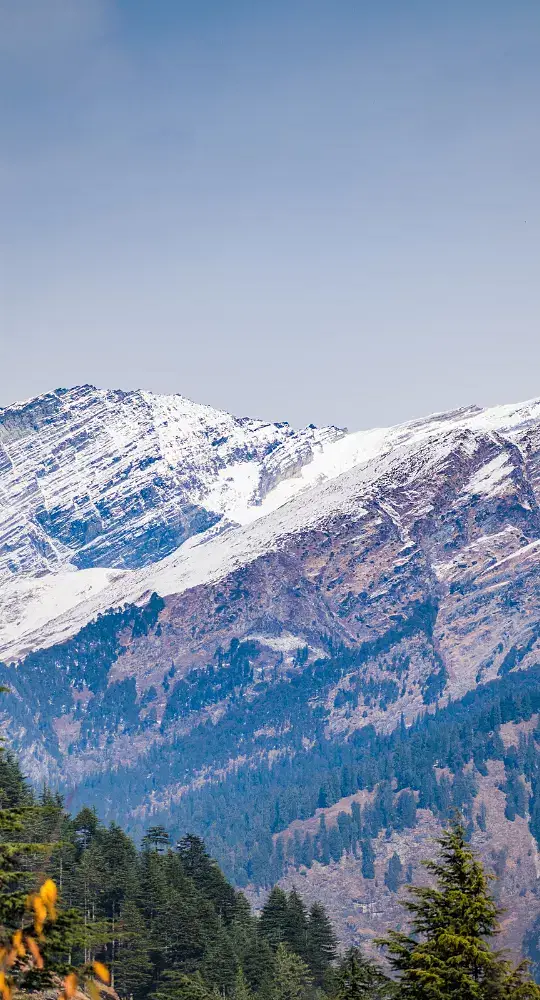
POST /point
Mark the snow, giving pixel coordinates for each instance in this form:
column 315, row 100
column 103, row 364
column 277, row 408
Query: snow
column 267, row 482
column 489, row 478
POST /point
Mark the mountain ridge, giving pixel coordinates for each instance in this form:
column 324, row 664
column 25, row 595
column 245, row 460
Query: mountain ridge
column 327, row 455
column 372, row 592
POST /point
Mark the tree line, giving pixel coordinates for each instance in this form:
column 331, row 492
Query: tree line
column 164, row 923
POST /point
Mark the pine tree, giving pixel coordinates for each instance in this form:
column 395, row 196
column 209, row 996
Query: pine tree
column 175, row 985
column 220, row 964
column 321, row 943
column 23, row 861
column 291, row 979
column 447, row 956
column 368, row 859
column 296, row 924
column 241, row 987
column 132, row 967
column 156, row 838
column 359, row 979
column 258, row 966
column 207, row 875
column 392, row 878
column 273, row 919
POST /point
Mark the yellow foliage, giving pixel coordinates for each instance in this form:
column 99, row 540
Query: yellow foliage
column 17, row 942
column 35, row 952
column 70, row 985
column 102, row 972
column 5, row 989
column 48, row 895
column 40, row 913
column 42, row 905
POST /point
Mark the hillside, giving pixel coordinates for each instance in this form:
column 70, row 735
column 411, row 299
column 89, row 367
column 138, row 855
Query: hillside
column 236, row 628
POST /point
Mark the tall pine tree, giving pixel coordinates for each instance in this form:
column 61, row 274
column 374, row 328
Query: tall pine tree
column 447, row 956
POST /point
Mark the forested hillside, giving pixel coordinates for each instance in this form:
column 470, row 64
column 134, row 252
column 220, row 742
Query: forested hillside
column 312, row 687
column 163, row 917
column 81, row 905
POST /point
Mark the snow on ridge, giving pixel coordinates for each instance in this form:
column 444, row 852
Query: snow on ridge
column 334, row 478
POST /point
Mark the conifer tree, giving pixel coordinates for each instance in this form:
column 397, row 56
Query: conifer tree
column 368, row 859
column 207, row 875
column 291, row 979
column 321, row 943
column 393, row 875
column 258, row 965
column 132, row 966
column 241, row 987
column 448, row 956
column 359, row 979
column 156, row 838
column 273, row 919
column 296, row 924
column 220, row 964
column 175, row 985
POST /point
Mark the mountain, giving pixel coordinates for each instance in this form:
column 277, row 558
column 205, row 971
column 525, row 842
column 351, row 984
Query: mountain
column 307, row 646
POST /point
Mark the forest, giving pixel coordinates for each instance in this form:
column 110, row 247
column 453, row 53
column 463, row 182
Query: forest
column 81, row 906
column 241, row 816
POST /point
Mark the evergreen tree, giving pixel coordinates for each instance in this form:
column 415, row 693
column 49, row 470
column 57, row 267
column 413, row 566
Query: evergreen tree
column 447, row 956
column 481, row 817
column 359, row 979
column 296, row 924
column 207, row 875
column 274, row 916
column 156, row 838
column 394, row 872
column 174, row 985
column 220, row 964
column 241, row 987
column 291, row 979
column 258, row 966
column 132, row 967
column 321, row 943
column 368, row 859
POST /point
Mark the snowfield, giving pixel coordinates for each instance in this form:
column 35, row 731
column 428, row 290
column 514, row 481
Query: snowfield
column 107, row 496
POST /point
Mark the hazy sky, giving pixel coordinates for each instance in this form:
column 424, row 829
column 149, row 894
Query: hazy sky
column 314, row 210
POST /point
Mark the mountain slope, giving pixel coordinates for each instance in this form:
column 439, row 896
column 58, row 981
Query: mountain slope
column 328, row 599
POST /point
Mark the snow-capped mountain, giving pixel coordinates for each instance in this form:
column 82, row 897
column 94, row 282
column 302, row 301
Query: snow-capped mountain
column 101, row 480
column 109, row 495
column 212, row 621
column 93, row 477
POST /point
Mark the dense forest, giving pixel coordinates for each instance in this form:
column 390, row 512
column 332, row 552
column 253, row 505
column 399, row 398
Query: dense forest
column 163, row 917
column 240, row 816
column 80, row 900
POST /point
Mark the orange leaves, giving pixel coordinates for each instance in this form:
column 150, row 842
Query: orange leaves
column 5, row 988
column 34, row 951
column 17, row 944
column 102, row 972
column 70, row 985
column 48, row 895
column 24, row 945
column 71, row 982
column 40, row 913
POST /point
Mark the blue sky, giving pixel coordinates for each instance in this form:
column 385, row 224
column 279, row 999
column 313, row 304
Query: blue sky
column 315, row 211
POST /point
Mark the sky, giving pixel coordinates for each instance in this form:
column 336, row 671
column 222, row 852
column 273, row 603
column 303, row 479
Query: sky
column 318, row 211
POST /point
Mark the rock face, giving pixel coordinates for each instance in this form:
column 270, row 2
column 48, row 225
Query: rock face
column 120, row 479
column 306, row 586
